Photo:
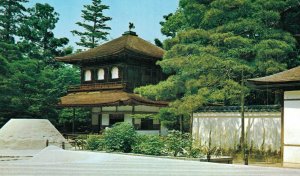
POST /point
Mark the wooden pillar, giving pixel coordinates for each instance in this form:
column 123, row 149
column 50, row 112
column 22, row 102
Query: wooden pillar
column 73, row 121
column 282, row 128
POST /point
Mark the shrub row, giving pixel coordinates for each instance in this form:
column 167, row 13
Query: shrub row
column 123, row 138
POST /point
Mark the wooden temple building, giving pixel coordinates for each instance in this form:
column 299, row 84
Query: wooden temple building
column 109, row 74
column 289, row 83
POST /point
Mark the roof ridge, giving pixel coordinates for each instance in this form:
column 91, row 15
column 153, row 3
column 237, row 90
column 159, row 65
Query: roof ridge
column 125, row 42
column 126, row 45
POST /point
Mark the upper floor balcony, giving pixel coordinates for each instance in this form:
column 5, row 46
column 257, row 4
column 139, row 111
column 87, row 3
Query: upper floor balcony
column 98, row 86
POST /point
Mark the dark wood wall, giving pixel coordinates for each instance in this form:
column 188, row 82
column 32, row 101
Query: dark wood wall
column 134, row 71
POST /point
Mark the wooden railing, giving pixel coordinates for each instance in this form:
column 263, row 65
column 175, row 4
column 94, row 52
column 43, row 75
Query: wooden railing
column 97, row 86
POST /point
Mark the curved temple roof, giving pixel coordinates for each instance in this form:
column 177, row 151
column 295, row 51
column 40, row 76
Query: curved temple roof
column 128, row 42
column 106, row 98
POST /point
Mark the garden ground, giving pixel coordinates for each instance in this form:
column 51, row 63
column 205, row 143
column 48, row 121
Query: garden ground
column 55, row 161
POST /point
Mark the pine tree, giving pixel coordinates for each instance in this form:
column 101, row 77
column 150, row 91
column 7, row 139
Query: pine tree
column 211, row 43
column 94, row 25
column 11, row 13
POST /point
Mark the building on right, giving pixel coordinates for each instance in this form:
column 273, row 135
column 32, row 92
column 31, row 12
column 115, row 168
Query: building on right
column 289, row 83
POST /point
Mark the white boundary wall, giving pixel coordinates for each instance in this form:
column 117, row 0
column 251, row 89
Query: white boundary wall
column 225, row 128
column 291, row 121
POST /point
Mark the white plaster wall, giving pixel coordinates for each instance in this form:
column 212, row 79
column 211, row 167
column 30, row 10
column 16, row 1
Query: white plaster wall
column 226, row 128
column 142, row 108
column 292, row 122
column 105, row 119
column 137, row 121
column 154, row 132
column 125, row 108
column 292, row 94
column 128, row 118
column 96, row 109
column 109, row 109
column 291, row 154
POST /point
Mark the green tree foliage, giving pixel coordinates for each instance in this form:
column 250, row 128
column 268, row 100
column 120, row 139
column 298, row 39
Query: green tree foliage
column 37, row 33
column 94, row 142
column 3, row 66
column 213, row 42
column 177, row 143
column 30, row 85
column 158, row 43
column 81, row 120
column 33, row 92
column 11, row 13
column 149, row 145
column 11, row 16
column 95, row 28
column 121, row 137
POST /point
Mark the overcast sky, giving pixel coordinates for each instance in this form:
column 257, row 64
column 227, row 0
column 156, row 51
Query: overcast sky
column 145, row 14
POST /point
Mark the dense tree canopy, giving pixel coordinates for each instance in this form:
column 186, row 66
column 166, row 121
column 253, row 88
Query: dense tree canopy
column 11, row 14
column 213, row 43
column 37, row 33
column 30, row 82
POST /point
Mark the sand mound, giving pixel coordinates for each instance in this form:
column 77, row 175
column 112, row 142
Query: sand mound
column 29, row 134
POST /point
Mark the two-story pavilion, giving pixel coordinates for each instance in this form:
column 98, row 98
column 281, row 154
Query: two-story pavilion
column 109, row 74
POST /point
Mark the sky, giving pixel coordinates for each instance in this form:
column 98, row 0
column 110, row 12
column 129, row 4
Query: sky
column 145, row 14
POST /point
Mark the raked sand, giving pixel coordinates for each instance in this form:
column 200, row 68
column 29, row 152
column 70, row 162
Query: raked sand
column 55, row 161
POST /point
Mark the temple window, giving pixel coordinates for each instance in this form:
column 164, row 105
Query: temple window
column 115, row 73
column 87, row 75
column 101, row 74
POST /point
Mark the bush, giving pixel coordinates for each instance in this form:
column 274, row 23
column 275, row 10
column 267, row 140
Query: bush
column 121, row 137
column 177, row 143
column 195, row 153
column 94, row 142
column 149, row 145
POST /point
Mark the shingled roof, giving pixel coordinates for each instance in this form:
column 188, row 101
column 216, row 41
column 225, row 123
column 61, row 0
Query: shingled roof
column 106, row 98
column 282, row 79
column 128, row 42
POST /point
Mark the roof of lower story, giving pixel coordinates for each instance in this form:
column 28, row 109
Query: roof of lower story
column 106, row 98
column 289, row 79
column 129, row 42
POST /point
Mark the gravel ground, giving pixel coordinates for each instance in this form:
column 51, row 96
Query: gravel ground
column 55, row 161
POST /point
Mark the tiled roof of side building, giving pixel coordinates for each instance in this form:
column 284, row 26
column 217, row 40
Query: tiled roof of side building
column 291, row 75
column 128, row 42
column 252, row 108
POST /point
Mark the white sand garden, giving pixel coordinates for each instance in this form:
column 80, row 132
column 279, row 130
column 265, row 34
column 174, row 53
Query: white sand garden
column 27, row 138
